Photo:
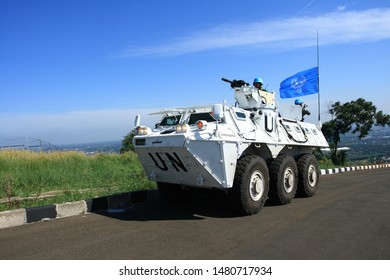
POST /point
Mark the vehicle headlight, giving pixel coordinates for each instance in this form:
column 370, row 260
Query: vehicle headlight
column 201, row 125
column 181, row 128
column 143, row 130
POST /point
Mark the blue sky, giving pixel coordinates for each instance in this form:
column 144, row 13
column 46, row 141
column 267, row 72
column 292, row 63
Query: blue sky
column 79, row 71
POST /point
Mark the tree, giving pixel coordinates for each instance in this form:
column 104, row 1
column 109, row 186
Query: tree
column 355, row 116
column 127, row 143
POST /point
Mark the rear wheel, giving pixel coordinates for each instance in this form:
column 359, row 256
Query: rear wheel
column 308, row 175
column 284, row 175
column 251, row 184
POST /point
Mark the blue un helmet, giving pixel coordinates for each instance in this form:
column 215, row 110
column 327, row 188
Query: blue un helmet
column 258, row 80
column 298, row 101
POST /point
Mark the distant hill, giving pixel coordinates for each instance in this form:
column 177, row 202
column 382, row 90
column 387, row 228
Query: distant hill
column 37, row 145
column 375, row 146
column 97, row 147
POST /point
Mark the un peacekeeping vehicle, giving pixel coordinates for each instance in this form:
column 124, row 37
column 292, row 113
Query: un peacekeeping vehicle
column 249, row 150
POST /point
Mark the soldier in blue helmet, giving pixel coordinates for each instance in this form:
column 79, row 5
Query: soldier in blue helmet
column 305, row 112
column 258, row 83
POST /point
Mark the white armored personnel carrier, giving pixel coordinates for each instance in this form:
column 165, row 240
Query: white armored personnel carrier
column 248, row 150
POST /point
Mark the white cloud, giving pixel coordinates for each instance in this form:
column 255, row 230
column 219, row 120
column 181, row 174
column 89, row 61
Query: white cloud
column 334, row 28
column 341, row 8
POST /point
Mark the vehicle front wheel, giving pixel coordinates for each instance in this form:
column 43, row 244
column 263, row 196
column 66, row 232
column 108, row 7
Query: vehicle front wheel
column 251, row 184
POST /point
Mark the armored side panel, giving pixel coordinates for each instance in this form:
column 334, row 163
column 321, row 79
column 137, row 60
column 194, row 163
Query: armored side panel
column 179, row 160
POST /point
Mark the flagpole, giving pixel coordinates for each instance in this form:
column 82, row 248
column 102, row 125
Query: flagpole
column 318, row 81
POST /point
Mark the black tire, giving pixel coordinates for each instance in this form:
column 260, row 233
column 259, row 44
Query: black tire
column 308, row 175
column 251, row 184
column 173, row 193
column 284, row 179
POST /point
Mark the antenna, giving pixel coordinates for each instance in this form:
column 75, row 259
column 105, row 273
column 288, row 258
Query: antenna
column 318, row 81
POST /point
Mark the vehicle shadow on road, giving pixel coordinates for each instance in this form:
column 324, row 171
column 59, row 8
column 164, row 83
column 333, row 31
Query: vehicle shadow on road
column 201, row 205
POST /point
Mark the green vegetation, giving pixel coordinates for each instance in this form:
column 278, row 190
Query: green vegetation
column 127, row 143
column 357, row 116
column 327, row 163
column 65, row 176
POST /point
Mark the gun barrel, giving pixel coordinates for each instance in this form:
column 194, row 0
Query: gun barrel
column 226, row 80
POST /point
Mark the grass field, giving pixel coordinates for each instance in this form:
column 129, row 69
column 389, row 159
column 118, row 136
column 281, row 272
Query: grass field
column 65, row 176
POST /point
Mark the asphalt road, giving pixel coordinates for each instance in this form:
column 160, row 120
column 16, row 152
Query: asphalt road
column 348, row 218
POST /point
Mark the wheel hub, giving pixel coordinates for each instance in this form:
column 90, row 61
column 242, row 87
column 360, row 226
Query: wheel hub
column 312, row 176
column 256, row 186
column 288, row 180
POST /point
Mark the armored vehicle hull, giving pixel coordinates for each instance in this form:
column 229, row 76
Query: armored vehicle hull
column 249, row 151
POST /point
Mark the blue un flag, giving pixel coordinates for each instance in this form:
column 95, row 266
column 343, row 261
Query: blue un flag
column 302, row 83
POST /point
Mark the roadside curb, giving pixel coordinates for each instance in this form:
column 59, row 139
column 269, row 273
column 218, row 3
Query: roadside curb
column 353, row 168
column 113, row 203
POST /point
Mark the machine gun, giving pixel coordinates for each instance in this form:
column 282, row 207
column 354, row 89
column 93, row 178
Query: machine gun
column 236, row 83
